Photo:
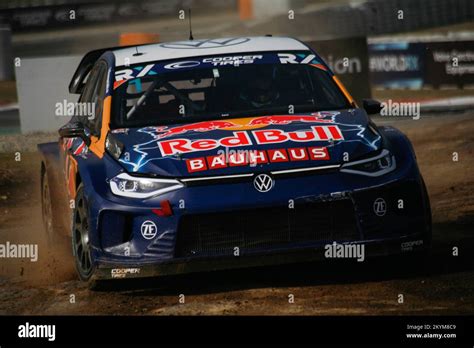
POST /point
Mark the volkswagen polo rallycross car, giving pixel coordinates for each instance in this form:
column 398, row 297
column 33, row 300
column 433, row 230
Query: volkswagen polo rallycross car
column 213, row 154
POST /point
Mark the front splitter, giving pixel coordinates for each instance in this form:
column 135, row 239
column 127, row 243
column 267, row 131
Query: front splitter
column 132, row 269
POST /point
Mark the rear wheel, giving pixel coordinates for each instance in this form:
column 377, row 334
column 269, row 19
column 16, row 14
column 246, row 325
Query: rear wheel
column 46, row 207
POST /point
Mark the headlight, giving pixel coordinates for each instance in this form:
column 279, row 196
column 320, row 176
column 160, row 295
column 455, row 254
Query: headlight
column 113, row 146
column 375, row 166
column 128, row 186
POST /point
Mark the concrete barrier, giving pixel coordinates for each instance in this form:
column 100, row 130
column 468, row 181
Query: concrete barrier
column 41, row 84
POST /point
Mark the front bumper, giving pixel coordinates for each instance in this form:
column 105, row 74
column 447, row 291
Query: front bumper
column 121, row 251
column 131, row 269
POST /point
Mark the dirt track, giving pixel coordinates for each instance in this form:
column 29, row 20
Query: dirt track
column 443, row 284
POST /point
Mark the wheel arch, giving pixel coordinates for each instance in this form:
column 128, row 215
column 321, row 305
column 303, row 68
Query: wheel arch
column 403, row 148
column 398, row 143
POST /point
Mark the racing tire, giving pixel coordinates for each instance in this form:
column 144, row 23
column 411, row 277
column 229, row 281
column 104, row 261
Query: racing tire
column 422, row 258
column 81, row 247
column 50, row 224
column 429, row 227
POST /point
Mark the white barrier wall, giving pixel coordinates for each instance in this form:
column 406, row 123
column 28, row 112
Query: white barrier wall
column 268, row 8
column 41, row 84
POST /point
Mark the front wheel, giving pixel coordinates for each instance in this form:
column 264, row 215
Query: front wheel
column 428, row 218
column 80, row 237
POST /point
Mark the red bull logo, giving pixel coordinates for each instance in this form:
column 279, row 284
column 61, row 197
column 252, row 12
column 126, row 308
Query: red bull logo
column 243, row 139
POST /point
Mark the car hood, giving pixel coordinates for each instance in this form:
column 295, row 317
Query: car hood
column 245, row 145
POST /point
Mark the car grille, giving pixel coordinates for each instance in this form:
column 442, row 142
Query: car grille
column 265, row 228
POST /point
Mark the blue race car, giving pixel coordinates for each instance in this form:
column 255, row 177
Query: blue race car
column 225, row 153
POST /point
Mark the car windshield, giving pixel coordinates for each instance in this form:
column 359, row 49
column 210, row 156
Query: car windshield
column 189, row 91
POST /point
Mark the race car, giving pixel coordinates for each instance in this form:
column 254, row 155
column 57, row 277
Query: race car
column 224, row 153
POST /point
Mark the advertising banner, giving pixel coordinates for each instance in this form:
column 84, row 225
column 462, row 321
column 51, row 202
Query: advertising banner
column 450, row 63
column 417, row 64
column 397, row 65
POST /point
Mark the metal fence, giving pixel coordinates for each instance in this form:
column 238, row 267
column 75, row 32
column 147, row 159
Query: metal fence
column 383, row 17
column 46, row 14
column 372, row 17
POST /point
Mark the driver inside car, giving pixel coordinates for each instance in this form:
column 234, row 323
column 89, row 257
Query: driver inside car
column 260, row 92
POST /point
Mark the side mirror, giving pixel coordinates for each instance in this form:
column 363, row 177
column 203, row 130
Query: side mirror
column 74, row 130
column 371, row 106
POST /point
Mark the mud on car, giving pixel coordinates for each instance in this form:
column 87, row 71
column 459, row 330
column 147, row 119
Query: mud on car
column 224, row 153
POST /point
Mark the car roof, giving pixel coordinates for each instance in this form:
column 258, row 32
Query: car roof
column 205, row 47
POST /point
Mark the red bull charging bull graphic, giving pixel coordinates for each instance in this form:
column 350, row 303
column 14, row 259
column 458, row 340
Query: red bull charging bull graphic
column 247, row 135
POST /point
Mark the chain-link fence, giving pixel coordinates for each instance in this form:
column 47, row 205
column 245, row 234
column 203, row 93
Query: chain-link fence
column 373, row 17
